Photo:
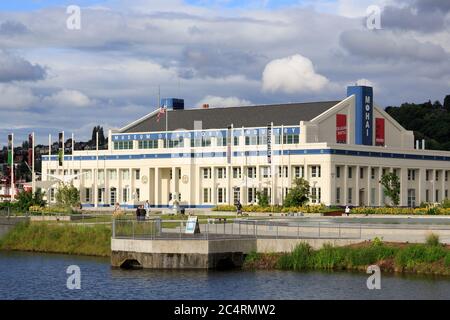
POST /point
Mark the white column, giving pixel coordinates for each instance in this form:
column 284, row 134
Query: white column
column 357, row 176
column 403, row 187
column 156, row 187
column 380, row 187
column 345, row 186
column 369, row 185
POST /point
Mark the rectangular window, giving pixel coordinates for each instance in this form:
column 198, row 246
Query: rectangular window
column 411, row 198
column 427, row 195
column 427, row 175
column 52, row 194
column 282, row 172
column 221, row 195
column 265, row 172
column 291, row 139
column 101, row 195
column 372, row 196
column 437, row 175
column 299, row 172
column 361, row 173
column 411, row 174
column 372, row 173
column 236, row 141
column 350, row 172
column 174, row 143
column 125, row 175
column 251, row 195
column 221, row 141
column 125, row 195
column 338, row 195
column 123, row 145
column 236, row 194
column 436, row 196
column 338, row 172
column 137, row 174
column 251, row 172
column 315, row 172
column 350, row 196
column 206, row 195
column 221, row 173
column 315, row 195
column 446, row 175
column 201, row 142
column 237, row 174
column 138, row 194
column 87, row 195
column 446, row 193
column 206, row 173
column 112, row 174
column 148, row 144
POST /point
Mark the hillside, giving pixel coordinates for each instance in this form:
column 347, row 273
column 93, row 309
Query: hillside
column 429, row 121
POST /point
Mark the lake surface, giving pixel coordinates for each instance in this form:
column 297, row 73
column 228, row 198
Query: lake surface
column 43, row 276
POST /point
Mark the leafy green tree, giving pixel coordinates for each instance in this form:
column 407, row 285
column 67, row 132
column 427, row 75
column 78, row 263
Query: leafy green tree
column 67, row 195
column 391, row 185
column 298, row 195
column 263, row 199
column 27, row 199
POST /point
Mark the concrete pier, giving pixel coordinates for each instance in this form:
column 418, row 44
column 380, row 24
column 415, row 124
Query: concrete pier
column 201, row 254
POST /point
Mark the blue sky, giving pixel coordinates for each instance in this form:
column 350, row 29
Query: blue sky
column 222, row 52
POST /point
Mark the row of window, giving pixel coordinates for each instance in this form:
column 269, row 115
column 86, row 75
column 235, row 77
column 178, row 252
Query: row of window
column 411, row 173
column 205, row 142
column 265, row 172
column 316, row 194
column 411, row 196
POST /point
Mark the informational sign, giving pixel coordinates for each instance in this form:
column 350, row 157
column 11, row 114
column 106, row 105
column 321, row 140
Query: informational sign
column 269, row 143
column 341, row 128
column 379, row 132
column 363, row 114
column 192, row 225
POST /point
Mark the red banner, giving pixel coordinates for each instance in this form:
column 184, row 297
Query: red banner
column 341, row 128
column 379, row 132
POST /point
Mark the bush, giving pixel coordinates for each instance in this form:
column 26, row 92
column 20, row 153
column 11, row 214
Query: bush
column 432, row 239
column 413, row 255
column 329, row 257
column 299, row 259
column 446, row 204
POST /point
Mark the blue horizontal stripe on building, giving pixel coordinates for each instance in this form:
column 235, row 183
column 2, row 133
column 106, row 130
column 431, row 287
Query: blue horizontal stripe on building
column 192, row 155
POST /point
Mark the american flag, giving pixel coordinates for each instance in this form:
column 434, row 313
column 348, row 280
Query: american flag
column 162, row 111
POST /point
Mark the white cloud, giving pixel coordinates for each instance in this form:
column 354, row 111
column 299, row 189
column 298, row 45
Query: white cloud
column 365, row 82
column 67, row 98
column 217, row 102
column 15, row 97
column 294, row 74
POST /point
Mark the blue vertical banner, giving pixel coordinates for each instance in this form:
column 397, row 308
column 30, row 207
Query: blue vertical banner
column 363, row 114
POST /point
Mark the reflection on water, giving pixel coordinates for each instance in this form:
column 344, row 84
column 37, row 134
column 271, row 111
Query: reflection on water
column 43, row 276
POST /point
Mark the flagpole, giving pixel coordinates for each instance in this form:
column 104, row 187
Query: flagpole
column 33, row 174
column 73, row 149
column 96, row 171
column 48, row 164
column 13, row 189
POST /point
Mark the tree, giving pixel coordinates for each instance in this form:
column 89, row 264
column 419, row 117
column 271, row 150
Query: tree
column 263, row 199
column 298, row 195
column 67, row 195
column 391, row 184
column 447, row 103
column 27, row 199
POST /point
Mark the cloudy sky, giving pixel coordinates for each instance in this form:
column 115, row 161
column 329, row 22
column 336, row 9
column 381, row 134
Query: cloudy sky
column 222, row 52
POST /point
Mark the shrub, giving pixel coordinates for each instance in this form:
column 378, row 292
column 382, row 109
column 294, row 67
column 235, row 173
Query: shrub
column 330, row 257
column 299, row 259
column 432, row 239
column 413, row 255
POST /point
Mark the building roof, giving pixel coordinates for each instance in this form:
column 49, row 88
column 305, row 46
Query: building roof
column 246, row 116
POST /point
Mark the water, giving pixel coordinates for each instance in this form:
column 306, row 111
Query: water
column 43, row 276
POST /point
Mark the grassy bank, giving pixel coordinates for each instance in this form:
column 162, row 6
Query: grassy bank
column 59, row 238
column 390, row 257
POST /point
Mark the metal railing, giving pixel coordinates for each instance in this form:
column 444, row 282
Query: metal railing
column 237, row 229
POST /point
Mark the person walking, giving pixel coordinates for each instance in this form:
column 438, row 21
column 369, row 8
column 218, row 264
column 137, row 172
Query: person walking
column 147, row 209
column 347, row 211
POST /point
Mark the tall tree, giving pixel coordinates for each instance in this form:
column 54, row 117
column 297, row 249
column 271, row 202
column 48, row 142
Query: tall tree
column 391, row 185
column 447, row 103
